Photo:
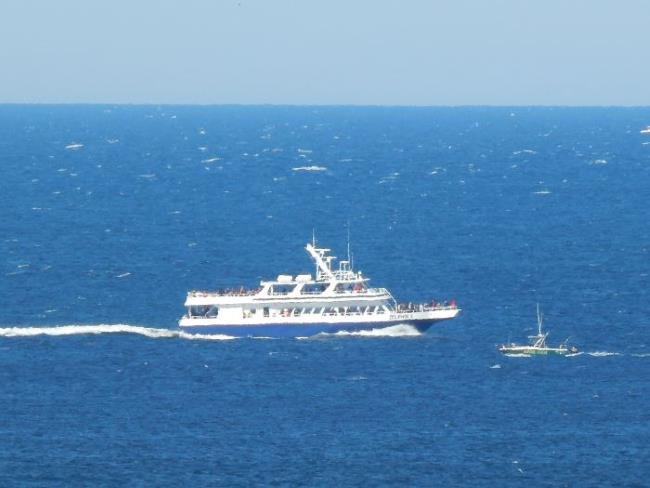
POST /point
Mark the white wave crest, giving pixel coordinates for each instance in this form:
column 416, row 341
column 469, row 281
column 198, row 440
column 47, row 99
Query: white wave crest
column 602, row 354
column 310, row 168
column 399, row 330
column 67, row 330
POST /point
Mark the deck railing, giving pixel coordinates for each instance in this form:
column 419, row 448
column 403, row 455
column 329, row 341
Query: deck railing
column 238, row 292
column 244, row 292
column 363, row 291
column 425, row 307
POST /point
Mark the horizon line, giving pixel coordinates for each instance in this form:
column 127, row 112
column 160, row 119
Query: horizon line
column 319, row 105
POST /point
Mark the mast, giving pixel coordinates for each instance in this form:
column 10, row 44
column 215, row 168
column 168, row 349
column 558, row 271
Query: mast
column 541, row 337
column 349, row 262
column 350, row 255
column 313, row 244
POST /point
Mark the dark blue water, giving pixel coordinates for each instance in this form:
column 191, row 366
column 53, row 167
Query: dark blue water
column 499, row 208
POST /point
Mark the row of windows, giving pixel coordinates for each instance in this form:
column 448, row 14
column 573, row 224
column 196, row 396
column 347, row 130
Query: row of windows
column 317, row 288
column 295, row 312
column 213, row 311
column 204, row 311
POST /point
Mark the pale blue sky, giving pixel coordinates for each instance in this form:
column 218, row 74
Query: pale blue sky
column 460, row 52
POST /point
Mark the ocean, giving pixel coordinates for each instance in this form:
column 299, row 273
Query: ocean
column 110, row 214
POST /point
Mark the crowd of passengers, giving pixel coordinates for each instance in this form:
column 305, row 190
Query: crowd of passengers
column 242, row 291
column 235, row 292
column 420, row 307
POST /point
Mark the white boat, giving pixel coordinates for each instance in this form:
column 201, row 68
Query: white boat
column 537, row 346
column 291, row 306
column 646, row 130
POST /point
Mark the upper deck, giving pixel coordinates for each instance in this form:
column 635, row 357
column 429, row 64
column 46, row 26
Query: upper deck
column 328, row 284
column 269, row 294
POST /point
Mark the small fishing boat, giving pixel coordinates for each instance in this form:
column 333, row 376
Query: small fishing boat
column 538, row 346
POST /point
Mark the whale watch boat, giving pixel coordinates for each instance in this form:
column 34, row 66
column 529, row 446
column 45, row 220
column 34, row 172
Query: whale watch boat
column 332, row 300
column 537, row 345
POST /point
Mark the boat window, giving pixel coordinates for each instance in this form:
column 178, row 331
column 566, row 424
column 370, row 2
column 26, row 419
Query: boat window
column 344, row 288
column 350, row 288
column 213, row 312
column 199, row 310
column 314, row 288
column 266, row 311
column 281, row 289
column 286, row 312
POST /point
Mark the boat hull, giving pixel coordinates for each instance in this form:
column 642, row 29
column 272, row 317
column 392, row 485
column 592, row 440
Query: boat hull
column 298, row 330
column 306, row 326
column 537, row 351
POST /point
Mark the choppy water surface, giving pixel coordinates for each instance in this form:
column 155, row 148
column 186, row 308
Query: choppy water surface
column 110, row 214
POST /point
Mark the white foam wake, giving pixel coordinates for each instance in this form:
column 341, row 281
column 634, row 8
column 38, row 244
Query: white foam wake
column 310, row 168
column 66, row 330
column 399, row 330
column 602, row 354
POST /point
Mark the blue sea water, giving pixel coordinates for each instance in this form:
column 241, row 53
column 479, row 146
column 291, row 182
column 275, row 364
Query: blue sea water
column 111, row 213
